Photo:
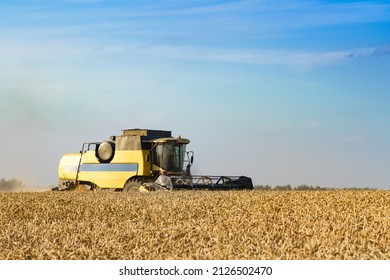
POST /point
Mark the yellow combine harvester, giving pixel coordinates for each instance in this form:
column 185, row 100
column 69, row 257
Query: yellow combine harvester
column 141, row 160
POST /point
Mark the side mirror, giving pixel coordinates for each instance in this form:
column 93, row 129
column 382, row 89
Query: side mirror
column 188, row 170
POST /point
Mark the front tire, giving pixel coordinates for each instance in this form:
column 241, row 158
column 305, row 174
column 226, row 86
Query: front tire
column 132, row 186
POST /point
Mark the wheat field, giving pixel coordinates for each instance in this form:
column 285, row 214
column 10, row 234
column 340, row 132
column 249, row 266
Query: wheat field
column 209, row 225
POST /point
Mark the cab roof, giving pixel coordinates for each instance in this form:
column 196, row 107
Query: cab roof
column 171, row 139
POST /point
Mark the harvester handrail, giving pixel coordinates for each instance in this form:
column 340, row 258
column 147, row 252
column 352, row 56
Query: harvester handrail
column 81, row 157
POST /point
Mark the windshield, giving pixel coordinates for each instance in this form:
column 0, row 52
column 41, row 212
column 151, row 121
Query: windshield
column 169, row 156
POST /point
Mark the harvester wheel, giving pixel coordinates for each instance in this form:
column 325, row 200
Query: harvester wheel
column 132, row 186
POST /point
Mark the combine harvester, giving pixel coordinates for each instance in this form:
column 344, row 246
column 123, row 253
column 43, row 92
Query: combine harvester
column 139, row 160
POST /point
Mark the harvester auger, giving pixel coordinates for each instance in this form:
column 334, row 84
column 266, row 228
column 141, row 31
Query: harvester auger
column 139, row 160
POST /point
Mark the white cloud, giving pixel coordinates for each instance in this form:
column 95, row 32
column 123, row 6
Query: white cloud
column 381, row 51
column 186, row 18
column 13, row 53
column 305, row 60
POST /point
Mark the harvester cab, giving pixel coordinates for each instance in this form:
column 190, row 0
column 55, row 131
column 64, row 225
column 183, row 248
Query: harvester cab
column 169, row 156
column 139, row 159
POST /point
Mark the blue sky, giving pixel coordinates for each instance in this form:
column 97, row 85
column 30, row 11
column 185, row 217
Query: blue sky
column 285, row 92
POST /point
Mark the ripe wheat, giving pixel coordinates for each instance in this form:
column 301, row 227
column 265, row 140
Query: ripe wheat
column 344, row 224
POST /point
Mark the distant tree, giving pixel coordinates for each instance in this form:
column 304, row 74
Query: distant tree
column 283, row 188
column 11, row 185
column 263, row 188
column 303, row 188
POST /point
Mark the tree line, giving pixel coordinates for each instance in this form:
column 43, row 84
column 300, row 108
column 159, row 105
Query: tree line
column 17, row 185
column 301, row 188
column 11, row 185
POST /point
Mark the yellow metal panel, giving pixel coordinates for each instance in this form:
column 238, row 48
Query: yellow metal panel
column 90, row 157
column 67, row 168
column 105, row 179
column 125, row 164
